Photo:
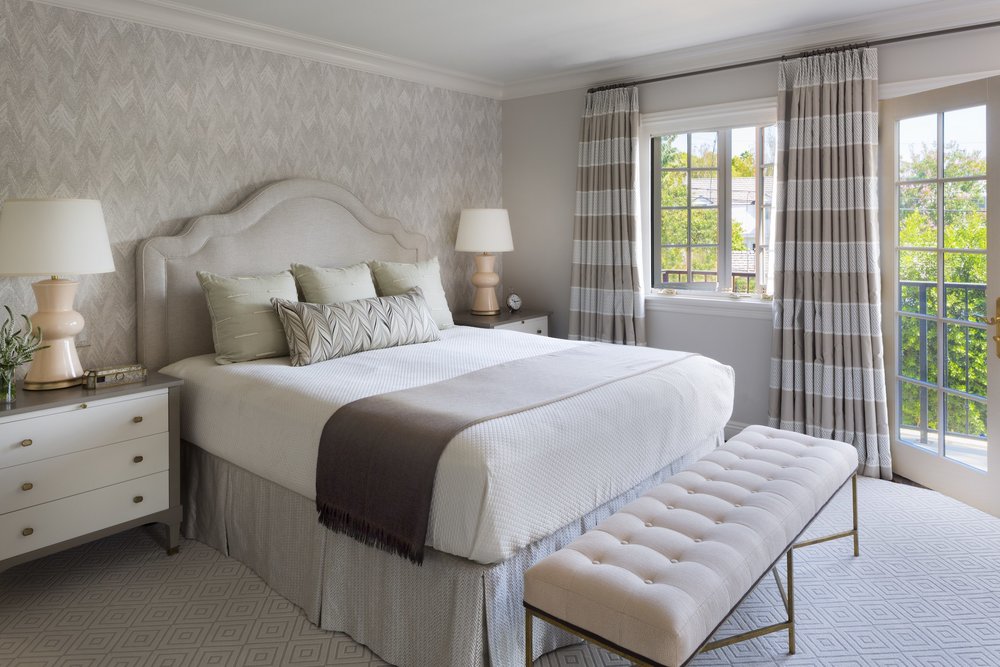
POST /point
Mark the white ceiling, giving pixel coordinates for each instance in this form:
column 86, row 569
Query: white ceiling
column 501, row 47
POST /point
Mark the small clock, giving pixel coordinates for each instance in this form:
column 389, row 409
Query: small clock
column 514, row 302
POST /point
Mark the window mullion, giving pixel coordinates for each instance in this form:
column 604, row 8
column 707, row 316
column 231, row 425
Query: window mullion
column 723, row 248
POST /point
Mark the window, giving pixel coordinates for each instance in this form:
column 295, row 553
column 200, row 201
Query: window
column 711, row 209
column 941, row 249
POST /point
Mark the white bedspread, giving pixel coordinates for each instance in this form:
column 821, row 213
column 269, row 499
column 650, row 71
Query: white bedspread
column 500, row 484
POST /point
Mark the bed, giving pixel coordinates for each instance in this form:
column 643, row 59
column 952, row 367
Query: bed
column 502, row 494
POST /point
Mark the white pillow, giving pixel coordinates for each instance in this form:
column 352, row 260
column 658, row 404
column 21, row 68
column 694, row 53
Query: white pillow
column 322, row 285
column 394, row 278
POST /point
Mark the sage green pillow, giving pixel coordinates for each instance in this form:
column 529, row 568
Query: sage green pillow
column 244, row 324
column 394, row 278
column 329, row 286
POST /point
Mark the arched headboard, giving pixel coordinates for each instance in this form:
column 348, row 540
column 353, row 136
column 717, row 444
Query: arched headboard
column 296, row 220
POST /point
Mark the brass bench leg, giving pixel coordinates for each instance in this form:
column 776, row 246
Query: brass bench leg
column 791, row 603
column 854, row 498
column 528, row 643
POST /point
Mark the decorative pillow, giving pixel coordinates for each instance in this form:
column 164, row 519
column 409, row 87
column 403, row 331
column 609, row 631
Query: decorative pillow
column 244, row 325
column 395, row 278
column 316, row 332
column 320, row 285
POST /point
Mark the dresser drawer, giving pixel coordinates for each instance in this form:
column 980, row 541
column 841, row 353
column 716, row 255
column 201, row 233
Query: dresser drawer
column 534, row 325
column 61, row 476
column 81, row 514
column 59, row 431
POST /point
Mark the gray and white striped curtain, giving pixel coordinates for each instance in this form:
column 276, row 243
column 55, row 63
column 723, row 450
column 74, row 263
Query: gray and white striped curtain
column 606, row 301
column 827, row 371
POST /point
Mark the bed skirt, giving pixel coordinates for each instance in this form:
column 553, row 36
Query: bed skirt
column 449, row 611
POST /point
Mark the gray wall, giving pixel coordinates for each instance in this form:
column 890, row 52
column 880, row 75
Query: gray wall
column 162, row 126
column 540, row 135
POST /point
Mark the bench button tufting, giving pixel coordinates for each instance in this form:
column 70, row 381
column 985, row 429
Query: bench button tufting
column 670, row 507
column 596, row 562
column 648, row 525
column 647, row 581
column 737, row 505
column 624, row 541
column 697, row 539
column 717, row 523
column 690, row 491
column 673, row 560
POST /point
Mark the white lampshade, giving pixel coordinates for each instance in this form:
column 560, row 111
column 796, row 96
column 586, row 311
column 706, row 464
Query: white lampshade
column 484, row 230
column 51, row 237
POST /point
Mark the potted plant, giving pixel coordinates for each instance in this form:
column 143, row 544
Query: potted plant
column 16, row 348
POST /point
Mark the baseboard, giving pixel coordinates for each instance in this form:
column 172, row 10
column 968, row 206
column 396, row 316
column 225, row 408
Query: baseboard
column 734, row 427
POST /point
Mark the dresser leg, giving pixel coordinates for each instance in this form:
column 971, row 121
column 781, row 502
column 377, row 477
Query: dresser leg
column 173, row 539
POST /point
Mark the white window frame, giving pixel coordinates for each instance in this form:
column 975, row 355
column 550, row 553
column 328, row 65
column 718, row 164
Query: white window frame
column 762, row 111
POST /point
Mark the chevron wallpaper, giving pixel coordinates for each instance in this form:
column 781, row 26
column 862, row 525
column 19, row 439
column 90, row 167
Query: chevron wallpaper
column 162, row 126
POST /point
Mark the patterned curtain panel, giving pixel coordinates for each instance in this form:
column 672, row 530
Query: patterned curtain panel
column 827, row 374
column 606, row 301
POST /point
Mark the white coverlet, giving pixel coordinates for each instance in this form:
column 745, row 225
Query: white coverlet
column 501, row 484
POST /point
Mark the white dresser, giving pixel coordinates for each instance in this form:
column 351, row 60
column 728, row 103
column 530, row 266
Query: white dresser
column 76, row 465
column 528, row 321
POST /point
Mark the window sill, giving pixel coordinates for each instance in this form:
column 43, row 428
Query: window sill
column 712, row 306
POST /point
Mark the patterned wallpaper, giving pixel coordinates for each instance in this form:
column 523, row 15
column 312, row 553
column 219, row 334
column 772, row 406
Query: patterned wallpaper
column 162, row 126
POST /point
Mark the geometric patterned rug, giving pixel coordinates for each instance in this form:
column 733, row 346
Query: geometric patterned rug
column 925, row 591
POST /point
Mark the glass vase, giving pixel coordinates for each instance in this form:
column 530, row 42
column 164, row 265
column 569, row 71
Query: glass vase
column 8, row 386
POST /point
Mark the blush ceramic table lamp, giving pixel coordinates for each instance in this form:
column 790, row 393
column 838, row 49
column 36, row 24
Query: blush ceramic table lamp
column 484, row 231
column 54, row 237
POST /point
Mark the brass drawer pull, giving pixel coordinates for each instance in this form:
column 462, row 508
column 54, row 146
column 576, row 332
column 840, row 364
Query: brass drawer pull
column 137, row 420
column 27, row 531
column 137, row 499
column 137, row 459
column 26, row 442
column 27, row 486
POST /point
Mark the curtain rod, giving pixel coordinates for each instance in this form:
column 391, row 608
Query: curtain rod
column 803, row 54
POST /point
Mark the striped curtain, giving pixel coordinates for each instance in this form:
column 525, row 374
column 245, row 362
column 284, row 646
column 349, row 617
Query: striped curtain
column 827, row 374
column 606, row 301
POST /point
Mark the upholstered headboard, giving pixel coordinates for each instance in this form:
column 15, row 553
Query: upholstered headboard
column 297, row 220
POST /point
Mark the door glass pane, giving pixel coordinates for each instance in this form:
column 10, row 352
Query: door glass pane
column 966, row 359
column 918, row 148
column 918, row 423
column 918, row 349
column 965, row 215
column 965, row 142
column 965, row 435
column 918, row 215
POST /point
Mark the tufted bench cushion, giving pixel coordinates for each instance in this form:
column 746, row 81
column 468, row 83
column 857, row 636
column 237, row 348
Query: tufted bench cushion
column 659, row 576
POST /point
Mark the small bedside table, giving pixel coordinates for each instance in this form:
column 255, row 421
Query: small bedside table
column 79, row 464
column 528, row 321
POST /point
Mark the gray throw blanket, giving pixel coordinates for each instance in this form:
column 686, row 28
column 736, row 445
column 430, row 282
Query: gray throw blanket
column 378, row 455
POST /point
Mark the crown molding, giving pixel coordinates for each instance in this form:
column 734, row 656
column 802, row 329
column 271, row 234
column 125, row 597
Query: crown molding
column 192, row 21
column 181, row 18
column 881, row 25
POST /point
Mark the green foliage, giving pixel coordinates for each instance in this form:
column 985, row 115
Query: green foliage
column 737, row 237
column 743, row 165
column 964, row 275
column 17, row 347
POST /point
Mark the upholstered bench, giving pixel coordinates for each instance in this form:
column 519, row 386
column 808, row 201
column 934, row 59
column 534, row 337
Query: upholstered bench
column 654, row 581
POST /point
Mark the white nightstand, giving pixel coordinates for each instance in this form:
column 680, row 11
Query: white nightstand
column 78, row 464
column 529, row 321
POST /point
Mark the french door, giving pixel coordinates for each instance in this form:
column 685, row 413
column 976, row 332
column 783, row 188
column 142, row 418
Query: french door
column 940, row 157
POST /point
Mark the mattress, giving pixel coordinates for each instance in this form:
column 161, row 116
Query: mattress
column 500, row 484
